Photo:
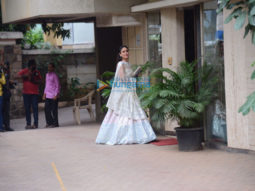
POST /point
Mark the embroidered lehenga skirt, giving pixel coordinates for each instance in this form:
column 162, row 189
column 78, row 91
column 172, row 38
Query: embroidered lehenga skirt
column 125, row 121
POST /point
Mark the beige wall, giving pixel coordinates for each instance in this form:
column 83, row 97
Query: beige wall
column 119, row 20
column 85, row 72
column 173, row 46
column 113, row 6
column 13, row 10
column 135, row 37
column 238, row 55
column 52, row 40
column 18, row 10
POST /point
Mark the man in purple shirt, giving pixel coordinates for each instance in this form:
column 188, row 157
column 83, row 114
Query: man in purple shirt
column 51, row 94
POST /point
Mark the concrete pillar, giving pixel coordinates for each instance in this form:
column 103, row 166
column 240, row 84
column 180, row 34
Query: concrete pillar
column 238, row 57
column 173, row 45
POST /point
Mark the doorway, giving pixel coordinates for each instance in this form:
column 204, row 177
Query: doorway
column 108, row 41
column 192, row 33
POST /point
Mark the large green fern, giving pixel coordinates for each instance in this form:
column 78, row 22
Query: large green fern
column 250, row 102
column 181, row 95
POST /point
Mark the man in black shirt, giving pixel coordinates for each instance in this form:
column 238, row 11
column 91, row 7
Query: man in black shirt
column 6, row 97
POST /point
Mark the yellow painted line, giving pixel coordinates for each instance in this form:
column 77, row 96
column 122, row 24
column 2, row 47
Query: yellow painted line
column 58, row 176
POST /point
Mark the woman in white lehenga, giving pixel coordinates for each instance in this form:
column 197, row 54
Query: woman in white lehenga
column 125, row 121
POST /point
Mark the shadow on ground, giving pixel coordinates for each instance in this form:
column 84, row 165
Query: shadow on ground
column 65, row 116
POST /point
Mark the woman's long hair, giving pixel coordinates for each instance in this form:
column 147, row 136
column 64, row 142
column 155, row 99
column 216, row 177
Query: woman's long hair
column 119, row 58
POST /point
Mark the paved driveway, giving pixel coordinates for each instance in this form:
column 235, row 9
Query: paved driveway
column 65, row 119
column 67, row 158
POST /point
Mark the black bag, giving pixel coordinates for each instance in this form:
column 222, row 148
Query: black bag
column 6, row 92
column 35, row 77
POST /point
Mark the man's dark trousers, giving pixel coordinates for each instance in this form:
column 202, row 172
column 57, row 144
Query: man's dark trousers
column 31, row 100
column 6, row 113
column 51, row 112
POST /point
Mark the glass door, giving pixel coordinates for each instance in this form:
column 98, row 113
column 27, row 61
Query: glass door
column 155, row 55
column 213, row 54
column 154, row 39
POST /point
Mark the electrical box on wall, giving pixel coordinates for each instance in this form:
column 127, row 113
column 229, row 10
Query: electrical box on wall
column 170, row 60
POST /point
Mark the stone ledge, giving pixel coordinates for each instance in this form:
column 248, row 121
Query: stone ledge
column 11, row 35
column 60, row 51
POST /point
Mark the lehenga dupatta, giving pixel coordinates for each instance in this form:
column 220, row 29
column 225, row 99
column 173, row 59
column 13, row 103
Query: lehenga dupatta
column 123, row 99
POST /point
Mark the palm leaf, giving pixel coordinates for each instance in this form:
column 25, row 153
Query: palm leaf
column 169, row 93
column 176, row 96
column 249, row 104
column 157, row 116
column 159, row 103
column 108, row 74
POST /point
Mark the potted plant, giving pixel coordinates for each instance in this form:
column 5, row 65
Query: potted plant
column 182, row 95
